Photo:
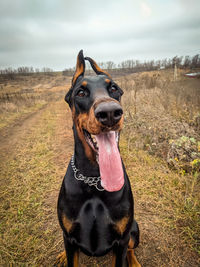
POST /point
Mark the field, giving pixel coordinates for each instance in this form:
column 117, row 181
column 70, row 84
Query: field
column 160, row 146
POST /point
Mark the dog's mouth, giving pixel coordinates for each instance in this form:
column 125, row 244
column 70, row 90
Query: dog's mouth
column 105, row 146
column 92, row 141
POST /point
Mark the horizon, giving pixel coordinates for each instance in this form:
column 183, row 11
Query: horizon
column 116, row 65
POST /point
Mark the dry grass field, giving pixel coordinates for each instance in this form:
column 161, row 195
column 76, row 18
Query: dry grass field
column 160, row 146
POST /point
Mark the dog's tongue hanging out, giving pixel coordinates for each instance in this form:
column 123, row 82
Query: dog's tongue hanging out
column 110, row 164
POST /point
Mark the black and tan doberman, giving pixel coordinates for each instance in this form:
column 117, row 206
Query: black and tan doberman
column 95, row 205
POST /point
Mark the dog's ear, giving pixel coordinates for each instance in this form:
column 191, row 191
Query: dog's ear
column 96, row 68
column 79, row 72
column 80, row 67
column 68, row 97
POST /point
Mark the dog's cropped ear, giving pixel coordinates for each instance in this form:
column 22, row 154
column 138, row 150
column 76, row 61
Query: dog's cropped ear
column 80, row 67
column 96, row 68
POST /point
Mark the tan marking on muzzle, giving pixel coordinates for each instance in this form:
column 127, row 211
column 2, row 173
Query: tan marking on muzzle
column 81, row 123
column 96, row 126
column 89, row 122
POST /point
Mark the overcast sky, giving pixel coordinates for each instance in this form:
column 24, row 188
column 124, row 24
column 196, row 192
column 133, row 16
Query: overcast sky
column 50, row 33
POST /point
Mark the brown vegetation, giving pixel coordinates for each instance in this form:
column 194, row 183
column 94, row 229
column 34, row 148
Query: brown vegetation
column 162, row 119
column 26, row 94
column 159, row 145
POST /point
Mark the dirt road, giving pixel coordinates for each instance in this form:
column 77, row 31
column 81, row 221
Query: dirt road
column 34, row 155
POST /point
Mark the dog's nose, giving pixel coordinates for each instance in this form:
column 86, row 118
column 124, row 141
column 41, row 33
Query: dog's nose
column 108, row 113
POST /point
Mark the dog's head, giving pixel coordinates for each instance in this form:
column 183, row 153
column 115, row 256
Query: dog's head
column 96, row 111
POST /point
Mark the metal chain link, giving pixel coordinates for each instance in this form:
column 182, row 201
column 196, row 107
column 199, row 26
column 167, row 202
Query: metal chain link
column 91, row 181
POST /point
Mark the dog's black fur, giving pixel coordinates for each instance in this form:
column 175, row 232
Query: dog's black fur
column 94, row 221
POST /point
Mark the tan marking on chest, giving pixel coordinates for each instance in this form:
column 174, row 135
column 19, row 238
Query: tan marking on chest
column 120, row 226
column 66, row 223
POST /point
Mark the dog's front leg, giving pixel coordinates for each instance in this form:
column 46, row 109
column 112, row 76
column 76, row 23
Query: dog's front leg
column 133, row 241
column 132, row 260
column 119, row 256
column 72, row 254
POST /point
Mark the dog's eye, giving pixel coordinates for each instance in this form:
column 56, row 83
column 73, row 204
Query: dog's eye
column 81, row 93
column 113, row 89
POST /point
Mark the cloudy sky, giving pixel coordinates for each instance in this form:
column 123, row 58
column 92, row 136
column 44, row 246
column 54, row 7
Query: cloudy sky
column 49, row 33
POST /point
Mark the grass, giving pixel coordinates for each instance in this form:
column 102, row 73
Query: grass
column 167, row 202
column 28, row 179
column 26, row 94
column 7, row 118
column 154, row 115
column 174, row 197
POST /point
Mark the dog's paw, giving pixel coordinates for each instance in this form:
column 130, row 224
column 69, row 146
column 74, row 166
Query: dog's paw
column 61, row 259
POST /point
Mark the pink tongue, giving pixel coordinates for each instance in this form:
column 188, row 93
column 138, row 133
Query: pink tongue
column 112, row 176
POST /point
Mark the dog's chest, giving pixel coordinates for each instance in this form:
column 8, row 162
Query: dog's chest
column 94, row 228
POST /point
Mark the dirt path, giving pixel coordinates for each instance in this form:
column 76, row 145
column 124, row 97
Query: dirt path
column 12, row 135
column 34, row 157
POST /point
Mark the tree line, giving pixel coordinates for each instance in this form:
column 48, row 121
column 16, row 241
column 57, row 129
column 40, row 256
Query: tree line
column 126, row 66
column 131, row 65
column 25, row 70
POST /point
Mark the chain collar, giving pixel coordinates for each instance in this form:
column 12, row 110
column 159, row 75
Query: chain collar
column 91, row 181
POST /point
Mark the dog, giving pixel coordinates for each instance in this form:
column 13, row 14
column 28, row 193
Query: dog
column 95, row 203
